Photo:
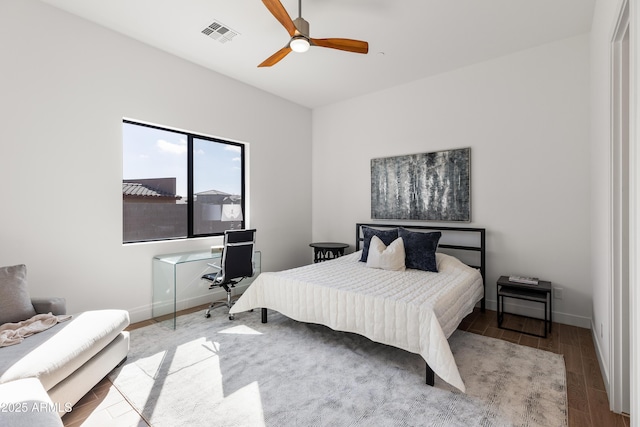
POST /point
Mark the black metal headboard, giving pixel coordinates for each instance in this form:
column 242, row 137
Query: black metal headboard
column 448, row 241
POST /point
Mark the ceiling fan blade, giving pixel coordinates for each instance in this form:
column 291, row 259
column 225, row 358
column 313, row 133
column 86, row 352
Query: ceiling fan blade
column 349, row 45
column 277, row 9
column 276, row 57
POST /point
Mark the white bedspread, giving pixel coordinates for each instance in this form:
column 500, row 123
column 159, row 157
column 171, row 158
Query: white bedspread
column 413, row 310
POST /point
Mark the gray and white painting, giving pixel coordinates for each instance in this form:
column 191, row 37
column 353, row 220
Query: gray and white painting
column 428, row 186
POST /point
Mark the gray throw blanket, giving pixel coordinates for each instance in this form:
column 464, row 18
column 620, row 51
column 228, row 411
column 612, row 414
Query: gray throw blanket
column 15, row 333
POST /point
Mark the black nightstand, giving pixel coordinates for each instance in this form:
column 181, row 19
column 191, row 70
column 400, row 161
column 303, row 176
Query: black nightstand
column 325, row 251
column 537, row 293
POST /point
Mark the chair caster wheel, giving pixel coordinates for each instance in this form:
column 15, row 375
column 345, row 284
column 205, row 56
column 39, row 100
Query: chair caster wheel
column 207, row 315
column 231, row 317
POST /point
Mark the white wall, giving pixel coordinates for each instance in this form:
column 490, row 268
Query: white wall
column 525, row 117
column 65, row 85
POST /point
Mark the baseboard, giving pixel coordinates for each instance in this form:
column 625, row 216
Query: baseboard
column 604, row 370
column 558, row 317
column 140, row 314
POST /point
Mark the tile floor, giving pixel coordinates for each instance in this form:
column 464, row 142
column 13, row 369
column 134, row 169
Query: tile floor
column 588, row 401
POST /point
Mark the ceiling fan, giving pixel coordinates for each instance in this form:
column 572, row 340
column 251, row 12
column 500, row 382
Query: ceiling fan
column 300, row 41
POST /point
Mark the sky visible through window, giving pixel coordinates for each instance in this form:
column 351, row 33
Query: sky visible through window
column 156, row 153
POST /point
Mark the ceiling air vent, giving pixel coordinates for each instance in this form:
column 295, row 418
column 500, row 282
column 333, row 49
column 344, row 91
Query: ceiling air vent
column 218, row 31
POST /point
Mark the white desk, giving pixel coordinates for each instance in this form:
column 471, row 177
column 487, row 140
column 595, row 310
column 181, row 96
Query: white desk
column 177, row 282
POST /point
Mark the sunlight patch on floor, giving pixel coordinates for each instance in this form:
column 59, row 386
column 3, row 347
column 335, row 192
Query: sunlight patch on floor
column 241, row 330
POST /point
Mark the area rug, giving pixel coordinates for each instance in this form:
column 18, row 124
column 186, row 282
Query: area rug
column 217, row 372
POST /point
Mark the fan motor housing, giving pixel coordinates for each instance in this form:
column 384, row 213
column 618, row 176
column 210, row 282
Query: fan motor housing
column 302, row 26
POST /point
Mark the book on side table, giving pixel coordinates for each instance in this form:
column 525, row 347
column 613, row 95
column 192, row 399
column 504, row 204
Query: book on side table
column 525, row 280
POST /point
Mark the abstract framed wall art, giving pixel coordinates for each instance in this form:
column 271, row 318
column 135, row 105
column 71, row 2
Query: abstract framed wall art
column 428, row 186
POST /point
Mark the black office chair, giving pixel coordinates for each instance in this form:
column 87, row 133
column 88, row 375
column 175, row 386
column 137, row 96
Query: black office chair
column 236, row 265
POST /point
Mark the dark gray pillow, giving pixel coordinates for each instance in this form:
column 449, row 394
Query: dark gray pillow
column 420, row 249
column 387, row 236
column 15, row 303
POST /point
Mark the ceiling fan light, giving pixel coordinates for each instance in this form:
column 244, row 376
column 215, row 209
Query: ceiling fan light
column 299, row 44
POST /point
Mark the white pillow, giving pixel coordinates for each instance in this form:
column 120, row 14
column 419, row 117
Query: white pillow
column 386, row 257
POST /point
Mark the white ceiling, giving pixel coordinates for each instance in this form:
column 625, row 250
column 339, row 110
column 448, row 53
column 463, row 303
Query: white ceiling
column 408, row 40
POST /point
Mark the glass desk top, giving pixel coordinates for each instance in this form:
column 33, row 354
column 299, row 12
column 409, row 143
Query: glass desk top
column 182, row 257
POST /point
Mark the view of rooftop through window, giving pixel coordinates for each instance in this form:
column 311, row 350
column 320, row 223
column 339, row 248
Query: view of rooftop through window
column 159, row 200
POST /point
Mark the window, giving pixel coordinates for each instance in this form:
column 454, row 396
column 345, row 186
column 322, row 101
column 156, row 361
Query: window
column 178, row 184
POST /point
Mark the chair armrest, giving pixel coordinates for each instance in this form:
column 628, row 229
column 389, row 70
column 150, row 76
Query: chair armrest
column 54, row 305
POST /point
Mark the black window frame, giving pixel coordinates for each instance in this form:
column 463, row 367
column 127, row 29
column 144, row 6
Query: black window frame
column 190, row 182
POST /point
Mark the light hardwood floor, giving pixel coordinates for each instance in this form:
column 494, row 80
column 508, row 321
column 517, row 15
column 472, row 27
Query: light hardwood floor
column 588, row 402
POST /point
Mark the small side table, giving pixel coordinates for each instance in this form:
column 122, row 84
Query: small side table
column 324, row 251
column 537, row 293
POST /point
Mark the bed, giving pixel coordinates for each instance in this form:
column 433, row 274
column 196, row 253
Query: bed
column 411, row 309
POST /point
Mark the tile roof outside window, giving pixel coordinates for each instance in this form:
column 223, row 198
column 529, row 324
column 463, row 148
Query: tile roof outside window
column 142, row 190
